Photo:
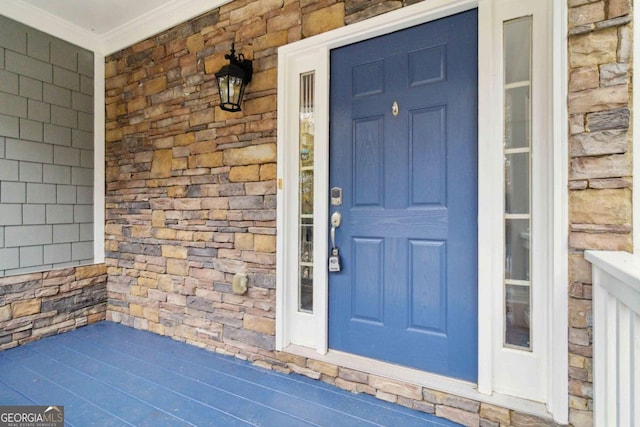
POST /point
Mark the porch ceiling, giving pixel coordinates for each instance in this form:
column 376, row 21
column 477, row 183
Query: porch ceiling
column 100, row 16
column 105, row 26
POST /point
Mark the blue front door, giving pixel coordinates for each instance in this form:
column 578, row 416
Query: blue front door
column 403, row 147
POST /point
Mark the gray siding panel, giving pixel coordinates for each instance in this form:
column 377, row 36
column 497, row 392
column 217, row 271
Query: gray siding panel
column 64, row 55
column 13, row 192
column 85, row 122
column 81, row 176
column 34, row 215
column 13, row 35
column 64, row 116
column 27, row 235
column 85, row 195
column 59, row 214
column 40, row 111
column 10, row 214
column 30, row 256
column 29, row 151
column 86, row 232
column 55, row 254
column 81, row 251
column 86, row 86
column 82, row 102
column 66, row 194
column 86, row 159
column 66, row 233
column 31, row 130
column 13, row 105
column 30, row 172
column 38, row 45
column 85, row 63
column 9, row 258
column 30, row 88
column 58, row 135
column 65, row 78
column 55, row 174
column 46, row 143
column 30, row 67
column 9, row 127
column 82, row 139
column 9, row 170
column 83, row 213
column 9, row 82
column 41, row 193
column 56, row 95
column 66, row 156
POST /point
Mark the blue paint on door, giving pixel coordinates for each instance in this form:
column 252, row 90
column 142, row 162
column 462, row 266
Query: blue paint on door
column 407, row 292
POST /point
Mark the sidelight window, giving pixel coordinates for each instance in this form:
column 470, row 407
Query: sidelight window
column 305, row 193
column 517, row 173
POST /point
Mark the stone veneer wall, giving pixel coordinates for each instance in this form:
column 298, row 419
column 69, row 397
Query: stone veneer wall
column 190, row 197
column 36, row 305
column 600, row 51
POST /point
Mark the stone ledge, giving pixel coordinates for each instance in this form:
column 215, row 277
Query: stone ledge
column 609, row 23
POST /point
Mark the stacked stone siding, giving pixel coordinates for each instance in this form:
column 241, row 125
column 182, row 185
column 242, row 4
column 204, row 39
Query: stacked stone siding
column 36, row 305
column 600, row 168
column 190, row 189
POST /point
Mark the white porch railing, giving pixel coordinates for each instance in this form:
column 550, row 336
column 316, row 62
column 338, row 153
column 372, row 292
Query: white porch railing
column 616, row 338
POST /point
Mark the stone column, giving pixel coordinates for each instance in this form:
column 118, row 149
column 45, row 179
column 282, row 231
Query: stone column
column 600, row 168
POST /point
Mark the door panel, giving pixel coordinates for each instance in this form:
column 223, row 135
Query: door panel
column 407, row 292
column 368, row 259
column 428, row 291
column 428, row 172
column 427, row 65
column 368, row 161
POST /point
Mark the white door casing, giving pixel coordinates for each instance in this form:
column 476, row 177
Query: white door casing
column 305, row 333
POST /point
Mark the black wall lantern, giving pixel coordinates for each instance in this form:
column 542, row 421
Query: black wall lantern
column 233, row 79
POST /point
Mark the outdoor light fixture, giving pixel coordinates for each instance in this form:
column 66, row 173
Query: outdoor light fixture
column 233, row 79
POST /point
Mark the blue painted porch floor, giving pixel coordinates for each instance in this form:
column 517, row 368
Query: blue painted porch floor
column 107, row 374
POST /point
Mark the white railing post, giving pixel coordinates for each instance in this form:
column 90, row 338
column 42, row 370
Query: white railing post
column 600, row 352
column 616, row 338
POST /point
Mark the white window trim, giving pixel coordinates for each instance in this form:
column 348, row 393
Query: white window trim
column 309, row 338
column 491, row 223
column 99, row 184
column 558, row 305
column 635, row 125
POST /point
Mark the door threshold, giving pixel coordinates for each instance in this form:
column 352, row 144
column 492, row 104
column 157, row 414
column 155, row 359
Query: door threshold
column 428, row 380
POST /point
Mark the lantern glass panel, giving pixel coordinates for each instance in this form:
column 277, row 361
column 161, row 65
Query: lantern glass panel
column 223, row 85
column 235, row 89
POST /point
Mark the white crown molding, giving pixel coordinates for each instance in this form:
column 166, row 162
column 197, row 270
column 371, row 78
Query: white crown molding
column 156, row 21
column 123, row 36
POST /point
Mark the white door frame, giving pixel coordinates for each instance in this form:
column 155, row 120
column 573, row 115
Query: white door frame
column 307, row 334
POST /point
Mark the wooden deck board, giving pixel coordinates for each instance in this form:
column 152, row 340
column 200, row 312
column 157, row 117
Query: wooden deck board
column 107, row 374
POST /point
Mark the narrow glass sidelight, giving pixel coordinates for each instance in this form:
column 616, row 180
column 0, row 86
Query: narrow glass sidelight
column 517, row 45
column 305, row 193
